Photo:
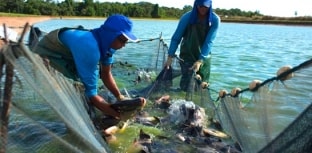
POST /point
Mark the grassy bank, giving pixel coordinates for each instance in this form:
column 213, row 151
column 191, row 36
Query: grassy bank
column 303, row 21
column 2, row 14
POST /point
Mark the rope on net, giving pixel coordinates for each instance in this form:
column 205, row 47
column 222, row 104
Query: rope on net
column 254, row 124
column 276, row 117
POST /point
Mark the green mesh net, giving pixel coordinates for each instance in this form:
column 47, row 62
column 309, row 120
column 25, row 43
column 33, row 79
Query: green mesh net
column 41, row 110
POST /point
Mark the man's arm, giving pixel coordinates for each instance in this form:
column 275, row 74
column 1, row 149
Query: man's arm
column 177, row 36
column 110, row 84
column 105, row 107
column 207, row 46
column 109, row 80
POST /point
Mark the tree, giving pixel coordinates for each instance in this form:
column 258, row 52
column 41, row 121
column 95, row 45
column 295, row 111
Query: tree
column 91, row 8
column 155, row 12
column 13, row 6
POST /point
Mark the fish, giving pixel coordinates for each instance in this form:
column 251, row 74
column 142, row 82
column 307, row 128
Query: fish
column 142, row 144
column 163, row 102
column 194, row 130
column 129, row 104
column 109, row 132
column 144, row 75
column 214, row 132
column 182, row 112
column 127, row 108
column 148, row 120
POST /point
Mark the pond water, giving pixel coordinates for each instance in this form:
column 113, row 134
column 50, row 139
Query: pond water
column 241, row 52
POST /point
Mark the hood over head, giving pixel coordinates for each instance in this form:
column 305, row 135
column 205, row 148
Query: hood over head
column 113, row 26
column 206, row 3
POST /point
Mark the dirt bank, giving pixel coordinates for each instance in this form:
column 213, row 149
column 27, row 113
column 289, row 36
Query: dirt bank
column 17, row 23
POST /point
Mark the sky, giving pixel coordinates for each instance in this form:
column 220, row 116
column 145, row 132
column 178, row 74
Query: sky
column 282, row 8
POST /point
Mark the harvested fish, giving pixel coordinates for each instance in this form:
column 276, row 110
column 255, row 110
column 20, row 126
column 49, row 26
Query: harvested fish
column 163, row 102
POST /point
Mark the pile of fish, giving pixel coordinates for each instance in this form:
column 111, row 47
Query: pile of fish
column 186, row 125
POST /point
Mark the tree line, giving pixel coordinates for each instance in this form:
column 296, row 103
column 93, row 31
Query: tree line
column 89, row 8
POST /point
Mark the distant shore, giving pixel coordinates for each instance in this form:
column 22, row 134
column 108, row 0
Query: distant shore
column 18, row 22
column 277, row 22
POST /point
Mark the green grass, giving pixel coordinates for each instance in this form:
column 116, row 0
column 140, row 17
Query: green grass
column 17, row 15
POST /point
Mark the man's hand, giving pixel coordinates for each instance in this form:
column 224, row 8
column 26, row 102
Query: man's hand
column 103, row 106
column 168, row 62
column 197, row 65
column 122, row 98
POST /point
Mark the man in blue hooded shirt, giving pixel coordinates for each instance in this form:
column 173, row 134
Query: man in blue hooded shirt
column 196, row 31
column 76, row 53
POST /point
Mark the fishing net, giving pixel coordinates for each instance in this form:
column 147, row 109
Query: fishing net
column 143, row 73
column 48, row 113
column 271, row 116
column 41, row 110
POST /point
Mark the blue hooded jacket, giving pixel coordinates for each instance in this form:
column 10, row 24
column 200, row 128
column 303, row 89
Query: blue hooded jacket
column 88, row 48
column 191, row 18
